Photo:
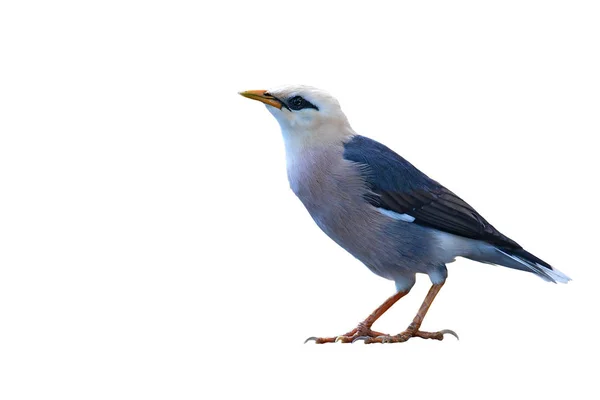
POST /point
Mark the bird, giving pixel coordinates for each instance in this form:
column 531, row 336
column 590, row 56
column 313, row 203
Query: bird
column 381, row 209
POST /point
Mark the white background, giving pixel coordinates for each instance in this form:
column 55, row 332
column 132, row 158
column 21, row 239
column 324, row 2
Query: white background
column 150, row 247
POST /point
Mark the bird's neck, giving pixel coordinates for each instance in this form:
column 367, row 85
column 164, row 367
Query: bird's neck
column 312, row 159
column 301, row 143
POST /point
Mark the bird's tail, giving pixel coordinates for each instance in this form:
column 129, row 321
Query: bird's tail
column 523, row 260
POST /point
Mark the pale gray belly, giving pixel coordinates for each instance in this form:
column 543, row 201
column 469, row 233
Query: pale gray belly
column 390, row 248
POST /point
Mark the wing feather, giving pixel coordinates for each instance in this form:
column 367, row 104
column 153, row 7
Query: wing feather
column 400, row 187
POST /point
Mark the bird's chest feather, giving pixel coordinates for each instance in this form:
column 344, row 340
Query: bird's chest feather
column 331, row 189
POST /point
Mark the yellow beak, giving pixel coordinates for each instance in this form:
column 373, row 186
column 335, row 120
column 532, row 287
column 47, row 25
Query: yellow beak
column 263, row 96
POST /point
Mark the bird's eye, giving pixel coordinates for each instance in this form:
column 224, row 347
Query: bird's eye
column 298, row 103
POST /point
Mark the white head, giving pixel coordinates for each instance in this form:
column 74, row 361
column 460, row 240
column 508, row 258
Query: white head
column 308, row 116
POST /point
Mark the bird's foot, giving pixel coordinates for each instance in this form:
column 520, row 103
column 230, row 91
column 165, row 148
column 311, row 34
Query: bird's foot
column 361, row 332
column 407, row 334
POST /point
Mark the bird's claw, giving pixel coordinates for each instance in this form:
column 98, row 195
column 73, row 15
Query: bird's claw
column 450, row 332
column 335, row 339
column 364, row 338
column 342, row 338
column 369, row 336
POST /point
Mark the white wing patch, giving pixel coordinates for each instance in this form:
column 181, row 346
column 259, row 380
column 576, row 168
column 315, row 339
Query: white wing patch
column 395, row 215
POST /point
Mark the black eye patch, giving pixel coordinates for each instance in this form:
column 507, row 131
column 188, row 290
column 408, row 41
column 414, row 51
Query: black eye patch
column 298, row 103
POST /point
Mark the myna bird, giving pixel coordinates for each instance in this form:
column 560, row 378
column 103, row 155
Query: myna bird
column 381, row 209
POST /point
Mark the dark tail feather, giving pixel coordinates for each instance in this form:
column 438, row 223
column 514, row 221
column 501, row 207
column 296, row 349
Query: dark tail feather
column 528, row 262
column 518, row 258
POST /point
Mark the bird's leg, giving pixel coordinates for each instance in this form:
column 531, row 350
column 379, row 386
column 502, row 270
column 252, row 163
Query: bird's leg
column 363, row 330
column 413, row 328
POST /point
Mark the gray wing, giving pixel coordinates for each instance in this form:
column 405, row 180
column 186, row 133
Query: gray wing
column 398, row 186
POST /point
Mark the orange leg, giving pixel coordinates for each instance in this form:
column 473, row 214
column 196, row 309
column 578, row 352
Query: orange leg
column 363, row 330
column 413, row 328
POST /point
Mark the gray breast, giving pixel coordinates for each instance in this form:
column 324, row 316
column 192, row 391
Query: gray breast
column 331, row 189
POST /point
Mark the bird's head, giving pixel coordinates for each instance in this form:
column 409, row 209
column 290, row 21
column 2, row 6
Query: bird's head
column 306, row 115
